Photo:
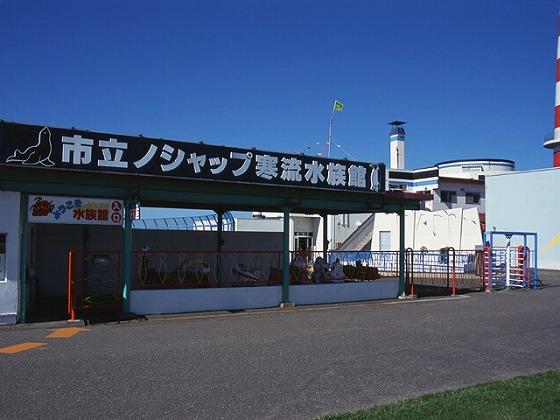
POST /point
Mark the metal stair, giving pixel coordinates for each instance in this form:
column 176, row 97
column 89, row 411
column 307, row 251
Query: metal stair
column 360, row 238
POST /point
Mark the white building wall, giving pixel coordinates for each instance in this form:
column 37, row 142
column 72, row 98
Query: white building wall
column 339, row 227
column 397, row 154
column 258, row 225
column 10, row 226
column 528, row 202
column 430, row 230
column 473, row 169
column 461, row 188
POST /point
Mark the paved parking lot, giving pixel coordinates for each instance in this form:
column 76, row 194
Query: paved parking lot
column 298, row 363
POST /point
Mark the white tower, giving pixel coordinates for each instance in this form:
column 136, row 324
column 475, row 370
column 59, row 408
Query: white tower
column 397, row 144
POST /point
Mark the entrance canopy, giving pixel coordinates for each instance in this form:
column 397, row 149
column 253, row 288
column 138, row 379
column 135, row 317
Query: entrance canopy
column 43, row 160
column 165, row 173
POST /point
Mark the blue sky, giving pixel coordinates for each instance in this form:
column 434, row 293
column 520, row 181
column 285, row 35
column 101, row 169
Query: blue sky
column 473, row 78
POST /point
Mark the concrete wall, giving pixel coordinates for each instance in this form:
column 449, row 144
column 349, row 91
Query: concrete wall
column 10, row 226
column 432, row 230
column 234, row 298
column 144, row 302
column 528, row 201
column 313, row 294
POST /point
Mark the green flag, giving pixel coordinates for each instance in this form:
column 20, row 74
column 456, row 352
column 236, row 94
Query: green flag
column 338, row 106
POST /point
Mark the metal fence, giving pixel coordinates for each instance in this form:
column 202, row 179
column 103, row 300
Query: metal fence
column 510, row 267
column 94, row 276
column 176, row 269
column 446, row 271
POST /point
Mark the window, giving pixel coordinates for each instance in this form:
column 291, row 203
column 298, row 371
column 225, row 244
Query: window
column 448, row 196
column 393, row 186
column 346, row 220
column 472, row 198
column 3, row 277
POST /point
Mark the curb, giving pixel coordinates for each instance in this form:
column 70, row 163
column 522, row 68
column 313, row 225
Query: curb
column 44, row 325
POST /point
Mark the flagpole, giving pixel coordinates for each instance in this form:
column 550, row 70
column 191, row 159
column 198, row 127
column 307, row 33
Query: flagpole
column 330, row 131
column 332, row 217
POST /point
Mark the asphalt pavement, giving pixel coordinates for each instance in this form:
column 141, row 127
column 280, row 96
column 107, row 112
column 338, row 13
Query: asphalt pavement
column 279, row 363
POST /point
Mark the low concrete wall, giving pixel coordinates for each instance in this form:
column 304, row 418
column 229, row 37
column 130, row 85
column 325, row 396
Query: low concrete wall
column 197, row 300
column 344, row 292
column 144, row 302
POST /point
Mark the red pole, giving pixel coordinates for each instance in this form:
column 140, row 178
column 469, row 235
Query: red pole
column 71, row 288
column 488, row 268
column 454, row 281
column 482, row 276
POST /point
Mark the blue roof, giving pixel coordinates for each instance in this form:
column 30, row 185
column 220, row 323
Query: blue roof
column 204, row 222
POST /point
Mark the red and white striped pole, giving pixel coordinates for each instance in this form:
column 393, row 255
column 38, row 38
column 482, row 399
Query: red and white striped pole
column 554, row 143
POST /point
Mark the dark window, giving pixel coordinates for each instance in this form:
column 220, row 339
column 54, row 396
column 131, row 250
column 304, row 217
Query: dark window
column 2, row 257
column 448, row 196
column 472, row 198
column 444, row 255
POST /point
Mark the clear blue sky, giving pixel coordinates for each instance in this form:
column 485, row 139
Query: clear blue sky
column 473, row 78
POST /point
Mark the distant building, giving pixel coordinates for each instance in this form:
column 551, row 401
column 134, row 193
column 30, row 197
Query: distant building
column 454, row 184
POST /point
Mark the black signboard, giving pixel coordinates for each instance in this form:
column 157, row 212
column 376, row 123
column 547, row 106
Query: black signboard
column 49, row 147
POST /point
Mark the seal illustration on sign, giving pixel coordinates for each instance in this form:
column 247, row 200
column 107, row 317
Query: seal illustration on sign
column 38, row 154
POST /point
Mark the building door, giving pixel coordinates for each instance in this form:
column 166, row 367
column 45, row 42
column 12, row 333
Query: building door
column 386, row 261
column 303, row 242
column 385, row 240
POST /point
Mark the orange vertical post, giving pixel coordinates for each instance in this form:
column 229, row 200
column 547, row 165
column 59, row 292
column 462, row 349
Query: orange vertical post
column 453, row 291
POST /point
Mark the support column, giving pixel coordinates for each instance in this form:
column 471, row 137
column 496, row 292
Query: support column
column 127, row 255
column 325, row 235
column 23, row 249
column 219, row 247
column 286, row 259
column 401, row 253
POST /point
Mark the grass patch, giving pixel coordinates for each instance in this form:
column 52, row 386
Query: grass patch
column 525, row 397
